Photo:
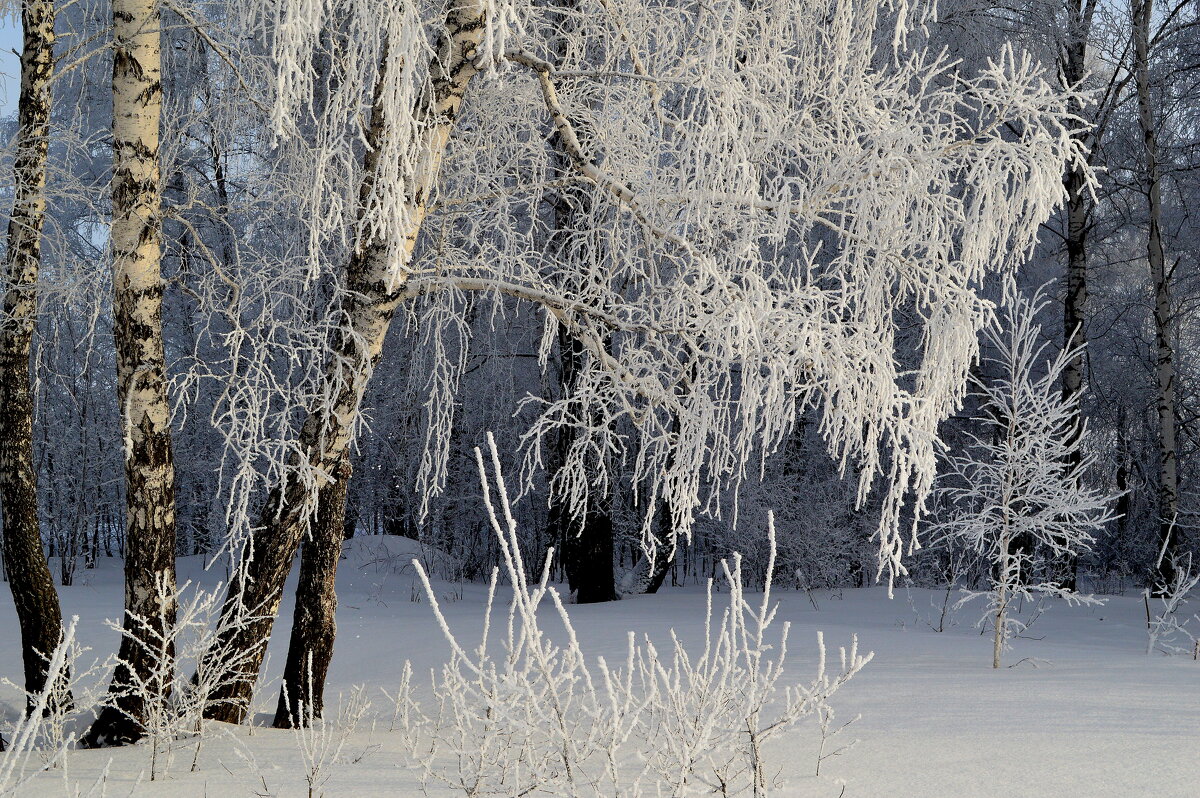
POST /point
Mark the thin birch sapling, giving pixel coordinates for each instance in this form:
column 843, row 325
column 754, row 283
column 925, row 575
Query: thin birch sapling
column 320, row 740
column 1018, row 495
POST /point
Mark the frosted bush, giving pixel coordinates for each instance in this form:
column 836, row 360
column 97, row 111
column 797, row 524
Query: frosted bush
column 536, row 715
column 43, row 727
column 1170, row 630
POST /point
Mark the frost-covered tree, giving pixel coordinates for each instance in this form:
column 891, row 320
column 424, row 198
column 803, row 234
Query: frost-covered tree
column 789, row 217
column 1018, row 496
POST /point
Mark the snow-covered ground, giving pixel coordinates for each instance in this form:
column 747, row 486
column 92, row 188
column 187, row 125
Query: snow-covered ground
column 1089, row 714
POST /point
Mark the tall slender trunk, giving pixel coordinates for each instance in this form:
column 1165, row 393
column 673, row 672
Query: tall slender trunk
column 314, row 621
column 1001, row 619
column 314, row 624
column 1164, row 348
column 1124, row 500
column 1078, row 207
column 34, row 596
column 1010, row 562
column 141, row 374
column 1074, row 313
column 1074, row 69
column 374, row 291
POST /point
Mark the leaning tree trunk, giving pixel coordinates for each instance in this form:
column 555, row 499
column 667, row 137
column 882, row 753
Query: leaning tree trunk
column 664, row 552
column 302, row 695
column 34, row 596
column 141, row 377
column 666, row 543
column 374, row 290
column 1164, row 349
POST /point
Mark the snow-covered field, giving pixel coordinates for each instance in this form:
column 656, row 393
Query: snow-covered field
column 1088, row 714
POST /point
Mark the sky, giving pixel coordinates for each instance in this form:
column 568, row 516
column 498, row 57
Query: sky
column 10, row 65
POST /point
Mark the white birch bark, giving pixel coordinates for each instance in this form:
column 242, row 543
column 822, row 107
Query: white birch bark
column 141, row 369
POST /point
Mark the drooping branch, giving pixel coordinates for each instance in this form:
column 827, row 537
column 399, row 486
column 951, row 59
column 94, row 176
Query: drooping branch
column 585, row 162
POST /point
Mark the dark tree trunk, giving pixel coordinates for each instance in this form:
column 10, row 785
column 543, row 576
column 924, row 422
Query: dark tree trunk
column 660, row 566
column 586, row 543
column 1124, row 494
column 665, row 539
column 1073, row 325
column 34, row 597
column 1164, row 322
column 313, row 622
column 589, row 560
column 1078, row 206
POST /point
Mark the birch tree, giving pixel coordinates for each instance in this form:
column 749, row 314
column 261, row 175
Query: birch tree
column 776, row 208
column 1011, row 483
column 1091, row 57
column 375, row 277
column 1160, row 276
column 136, row 244
column 28, row 573
column 314, row 624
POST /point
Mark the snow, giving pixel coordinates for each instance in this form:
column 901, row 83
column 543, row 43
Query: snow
column 1088, row 714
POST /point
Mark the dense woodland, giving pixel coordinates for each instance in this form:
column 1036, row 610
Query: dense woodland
column 274, row 269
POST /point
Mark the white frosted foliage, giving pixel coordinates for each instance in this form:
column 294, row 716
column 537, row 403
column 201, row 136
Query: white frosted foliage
column 772, row 216
column 1018, row 496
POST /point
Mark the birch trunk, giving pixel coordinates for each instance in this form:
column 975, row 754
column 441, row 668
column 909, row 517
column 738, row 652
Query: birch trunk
column 314, row 623
column 374, row 291
column 34, row 596
column 1074, row 70
column 141, row 372
column 1164, row 351
column 998, row 638
column 1010, row 564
